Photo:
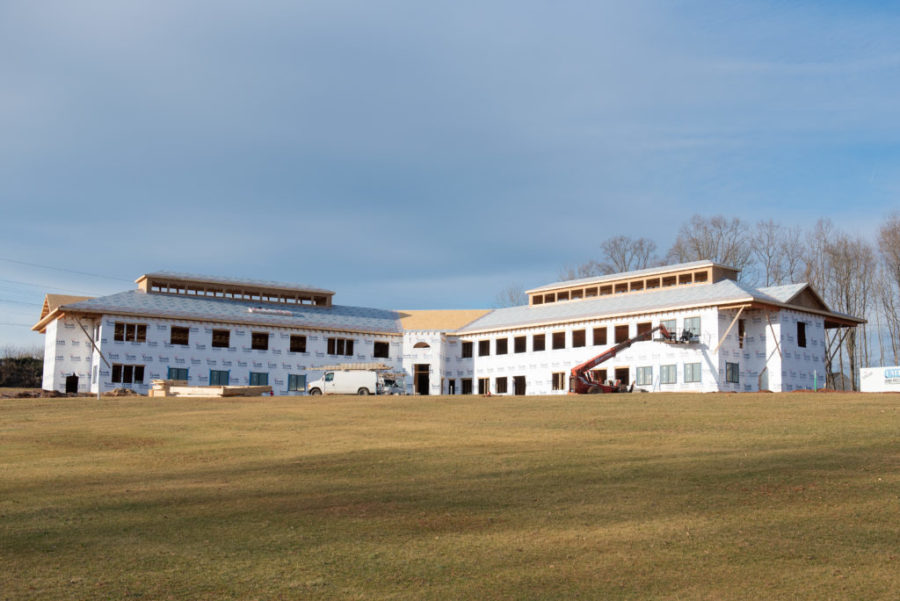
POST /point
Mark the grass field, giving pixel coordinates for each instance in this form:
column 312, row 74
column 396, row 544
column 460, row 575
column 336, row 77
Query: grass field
column 793, row 496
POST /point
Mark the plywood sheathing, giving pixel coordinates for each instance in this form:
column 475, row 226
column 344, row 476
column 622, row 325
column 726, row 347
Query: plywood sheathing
column 443, row 320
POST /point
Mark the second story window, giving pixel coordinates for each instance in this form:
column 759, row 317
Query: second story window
column 221, row 338
column 179, row 335
column 298, row 343
column 259, row 341
column 130, row 332
column 340, row 346
column 381, row 350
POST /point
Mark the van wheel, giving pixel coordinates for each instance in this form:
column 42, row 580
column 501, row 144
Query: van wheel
column 362, row 391
column 315, row 392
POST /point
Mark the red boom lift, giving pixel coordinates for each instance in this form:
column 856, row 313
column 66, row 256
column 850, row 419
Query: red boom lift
column 581, row 378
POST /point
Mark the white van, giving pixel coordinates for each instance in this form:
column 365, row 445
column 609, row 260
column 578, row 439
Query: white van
column 346, row 382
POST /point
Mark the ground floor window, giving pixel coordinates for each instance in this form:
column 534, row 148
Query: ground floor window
column 127, row 374
column 218, row 377
column 296, row 382
column 484, row 384
column 733, row 373
column 259, row 379
column 691, row 372
column 668, row 374
column 559, row 380
column 644, row 376
column 500, row 385
column 467, row 385
column 177, row 373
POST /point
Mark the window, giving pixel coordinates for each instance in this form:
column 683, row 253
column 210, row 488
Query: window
column 599, row 336
column 130, row 332
column 502, row 346
column 692, row 325
column 381, row 350
column 801, row 334
column 559, row 380
column 177, row 373
column 484, row 348
column 599, row 375
column 340, row 346
column 259, row 341
column 559, row 340
column 466, row 352
column 732, row 373
column 742, row 333
column 421, row 344
column 579, row 338
column 483, row 385
column 538, row 342
column 467, row 385
column 218, row 378
column 644, row 376
column 296, row 382
column 668, row 374
column 500, row 385
column 298, row 343
column 179, row 335
column 691, row 372
column 259, row 379
column 643, row 329
column 669, row 325
column 221, row 338
column 127, row 374
column 621, row 333
column 519, row 344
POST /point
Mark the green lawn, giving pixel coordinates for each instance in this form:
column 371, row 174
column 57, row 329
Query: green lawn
column 741, row 496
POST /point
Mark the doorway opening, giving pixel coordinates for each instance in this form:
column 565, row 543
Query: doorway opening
column 519, row 385
column 421, row 378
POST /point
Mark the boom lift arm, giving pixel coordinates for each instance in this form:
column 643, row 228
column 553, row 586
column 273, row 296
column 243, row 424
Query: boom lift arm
column 580, row 381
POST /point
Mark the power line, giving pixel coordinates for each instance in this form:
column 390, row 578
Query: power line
column 17, row 302
column 93, row 275
column 43, row 286
column 20, row 325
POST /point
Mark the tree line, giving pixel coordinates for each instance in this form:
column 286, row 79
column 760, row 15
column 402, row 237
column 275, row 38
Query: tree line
column 21, row 367
column 853, row 275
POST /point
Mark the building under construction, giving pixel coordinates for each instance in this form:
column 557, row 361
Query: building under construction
column 721, row 335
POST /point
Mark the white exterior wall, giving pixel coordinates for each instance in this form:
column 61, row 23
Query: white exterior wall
column 199, row 356
column 538, row 367
column 67, row 351
column 801, row 366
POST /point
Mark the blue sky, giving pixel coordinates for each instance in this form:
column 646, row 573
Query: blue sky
column 422, row 154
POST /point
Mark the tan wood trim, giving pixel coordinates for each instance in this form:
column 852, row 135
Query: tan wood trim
column 731, row 325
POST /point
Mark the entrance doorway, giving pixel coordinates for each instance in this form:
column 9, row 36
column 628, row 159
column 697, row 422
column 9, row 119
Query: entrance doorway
column 519, row 385
column 420, row 377
column 71, row 383
column 623, row 375
column 451, row 386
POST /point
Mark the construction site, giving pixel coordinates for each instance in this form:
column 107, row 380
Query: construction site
column 688, row 327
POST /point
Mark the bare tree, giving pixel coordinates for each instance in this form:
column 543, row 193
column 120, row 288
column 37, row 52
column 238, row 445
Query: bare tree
column 889, row 289
column 621, row 253
column 511, row 296
column 618, row 254
column 718, row 239
column 584, row 270
column 778, row 253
